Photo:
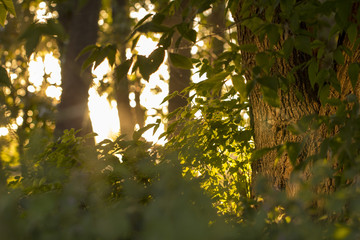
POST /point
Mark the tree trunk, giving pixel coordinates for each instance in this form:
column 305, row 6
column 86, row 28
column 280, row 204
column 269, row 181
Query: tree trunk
column 80, row 21
column 270, row 123
column 179, row 78
column 121, row 29
column 218, row 26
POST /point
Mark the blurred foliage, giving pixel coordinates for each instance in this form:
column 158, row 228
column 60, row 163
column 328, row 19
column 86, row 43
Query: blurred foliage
column 197, row 186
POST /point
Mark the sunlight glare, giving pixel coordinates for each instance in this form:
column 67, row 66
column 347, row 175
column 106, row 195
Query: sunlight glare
column 53, row 92
column 52, row 68
column 104, row 116
column 3, row 131
column 36, row 71
column 145, row 46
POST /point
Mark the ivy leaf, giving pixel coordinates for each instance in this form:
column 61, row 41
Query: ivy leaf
column 180, row 61
column 4, row 78
column 354, row 70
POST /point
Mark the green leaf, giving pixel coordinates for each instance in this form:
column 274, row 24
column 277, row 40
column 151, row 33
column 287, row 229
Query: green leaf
column 123, row 69
column 353, row 71
column 166, row 39
column 240, row 86
column 180, row 61
column 135, row 41
column 156, row 58
column 144, row 66
column 4, row 78
column 312, row 72
column 254, row 24
column 339, row 57
column 288, row 47
column 293, row 149
column 9, row 5
column 87, row 49
column 32, row 42
column 302, row 43
column 110, row 54
column 172, row 95
column 248, row 48
column 148, row 66
column 141, row 131
column 3, row 14
column 324, row 93
column 352, row 32
column 152, row 27
column 273, row 32
column 187, row 32
column 270, row 96
column 257, row 154
column 264, row 61
column 143, row 20
column 94, row 56
column 269, row 81
column 218, row 77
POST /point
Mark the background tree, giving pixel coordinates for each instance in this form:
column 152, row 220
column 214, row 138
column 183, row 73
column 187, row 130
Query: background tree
column 309, row 56
column 121, row 30
column 80, row 21
column 179, row 77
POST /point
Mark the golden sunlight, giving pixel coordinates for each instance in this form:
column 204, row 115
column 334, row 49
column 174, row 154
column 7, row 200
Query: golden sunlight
column 103, row 114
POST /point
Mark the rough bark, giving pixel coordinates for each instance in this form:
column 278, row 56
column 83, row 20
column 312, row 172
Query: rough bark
column 179, row 78
column 121, row 29
column 270, row 123
column 81, row 24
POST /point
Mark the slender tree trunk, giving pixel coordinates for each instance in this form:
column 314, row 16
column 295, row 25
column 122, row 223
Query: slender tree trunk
column 121, row 28
column 81, row 23
column 179, row 78
column 139, row 110
column 270, row 123
column 217, row 22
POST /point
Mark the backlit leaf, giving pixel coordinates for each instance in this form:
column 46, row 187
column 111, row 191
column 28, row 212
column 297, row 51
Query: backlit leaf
column 9, row 6
column 180, row 61
column 4, row 78
column 123, row 69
